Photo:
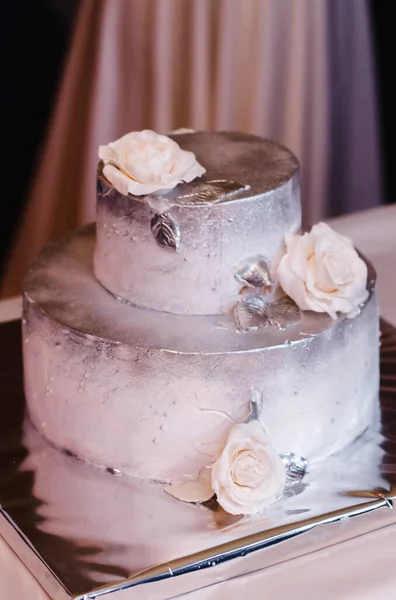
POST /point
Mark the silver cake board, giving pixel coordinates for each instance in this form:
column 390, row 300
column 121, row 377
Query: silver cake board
column 86, row 533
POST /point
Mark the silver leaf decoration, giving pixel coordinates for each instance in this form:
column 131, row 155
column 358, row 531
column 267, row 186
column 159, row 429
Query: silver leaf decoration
column 256, row 402
column 283, row 313
column 210, row 192
column 256, row 273
column 296, row 466
column 166, row 231
column 251, row 313
column 254, row 312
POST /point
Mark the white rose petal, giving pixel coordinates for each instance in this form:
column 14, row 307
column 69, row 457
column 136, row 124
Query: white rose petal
column 118, row 179
column 321, row 271
column 107, row 154
column 249, row 475
column 145, row 162
column 193, row 490
column 190, row 491
column 196, row 170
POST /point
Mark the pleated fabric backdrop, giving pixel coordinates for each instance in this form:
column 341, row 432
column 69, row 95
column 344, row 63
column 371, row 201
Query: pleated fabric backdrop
column 298, row 71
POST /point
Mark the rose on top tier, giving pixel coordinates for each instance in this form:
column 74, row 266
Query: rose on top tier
column 145, row 162
column 321, row 271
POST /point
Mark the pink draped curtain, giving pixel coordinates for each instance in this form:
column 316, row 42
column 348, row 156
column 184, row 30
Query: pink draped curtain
column 270, row 67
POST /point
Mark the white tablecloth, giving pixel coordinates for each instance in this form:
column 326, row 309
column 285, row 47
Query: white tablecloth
column 359, row 569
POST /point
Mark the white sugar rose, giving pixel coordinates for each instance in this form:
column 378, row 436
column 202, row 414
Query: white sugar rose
column 321, row 271
column 249, row 475
column 145, row 162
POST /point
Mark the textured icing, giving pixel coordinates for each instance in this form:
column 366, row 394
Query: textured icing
column 215, row 238
column 153, row 393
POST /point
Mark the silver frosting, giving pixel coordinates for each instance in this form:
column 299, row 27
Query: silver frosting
column 118, row 384
column 260, row 183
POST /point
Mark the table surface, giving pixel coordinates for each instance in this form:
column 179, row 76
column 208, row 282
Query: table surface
column 361, row 568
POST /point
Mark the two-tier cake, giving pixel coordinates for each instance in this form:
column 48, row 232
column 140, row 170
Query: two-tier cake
column 195, row 337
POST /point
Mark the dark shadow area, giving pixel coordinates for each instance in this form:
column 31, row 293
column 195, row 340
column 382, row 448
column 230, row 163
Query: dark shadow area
column 33, row 44
column 383, row 14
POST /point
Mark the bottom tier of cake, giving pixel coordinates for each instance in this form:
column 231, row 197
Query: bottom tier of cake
column 154, row 394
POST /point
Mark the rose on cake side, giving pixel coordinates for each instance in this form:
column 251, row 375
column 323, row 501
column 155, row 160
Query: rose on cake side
column 321, row 271
column 247, row 476
column 145, row 162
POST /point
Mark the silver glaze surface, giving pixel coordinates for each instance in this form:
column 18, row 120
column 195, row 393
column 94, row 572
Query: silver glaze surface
column 214, row 238
column 152, row 393
column 61, row 285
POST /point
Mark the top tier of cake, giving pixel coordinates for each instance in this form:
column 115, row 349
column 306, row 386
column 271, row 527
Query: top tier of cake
column 180, row 252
